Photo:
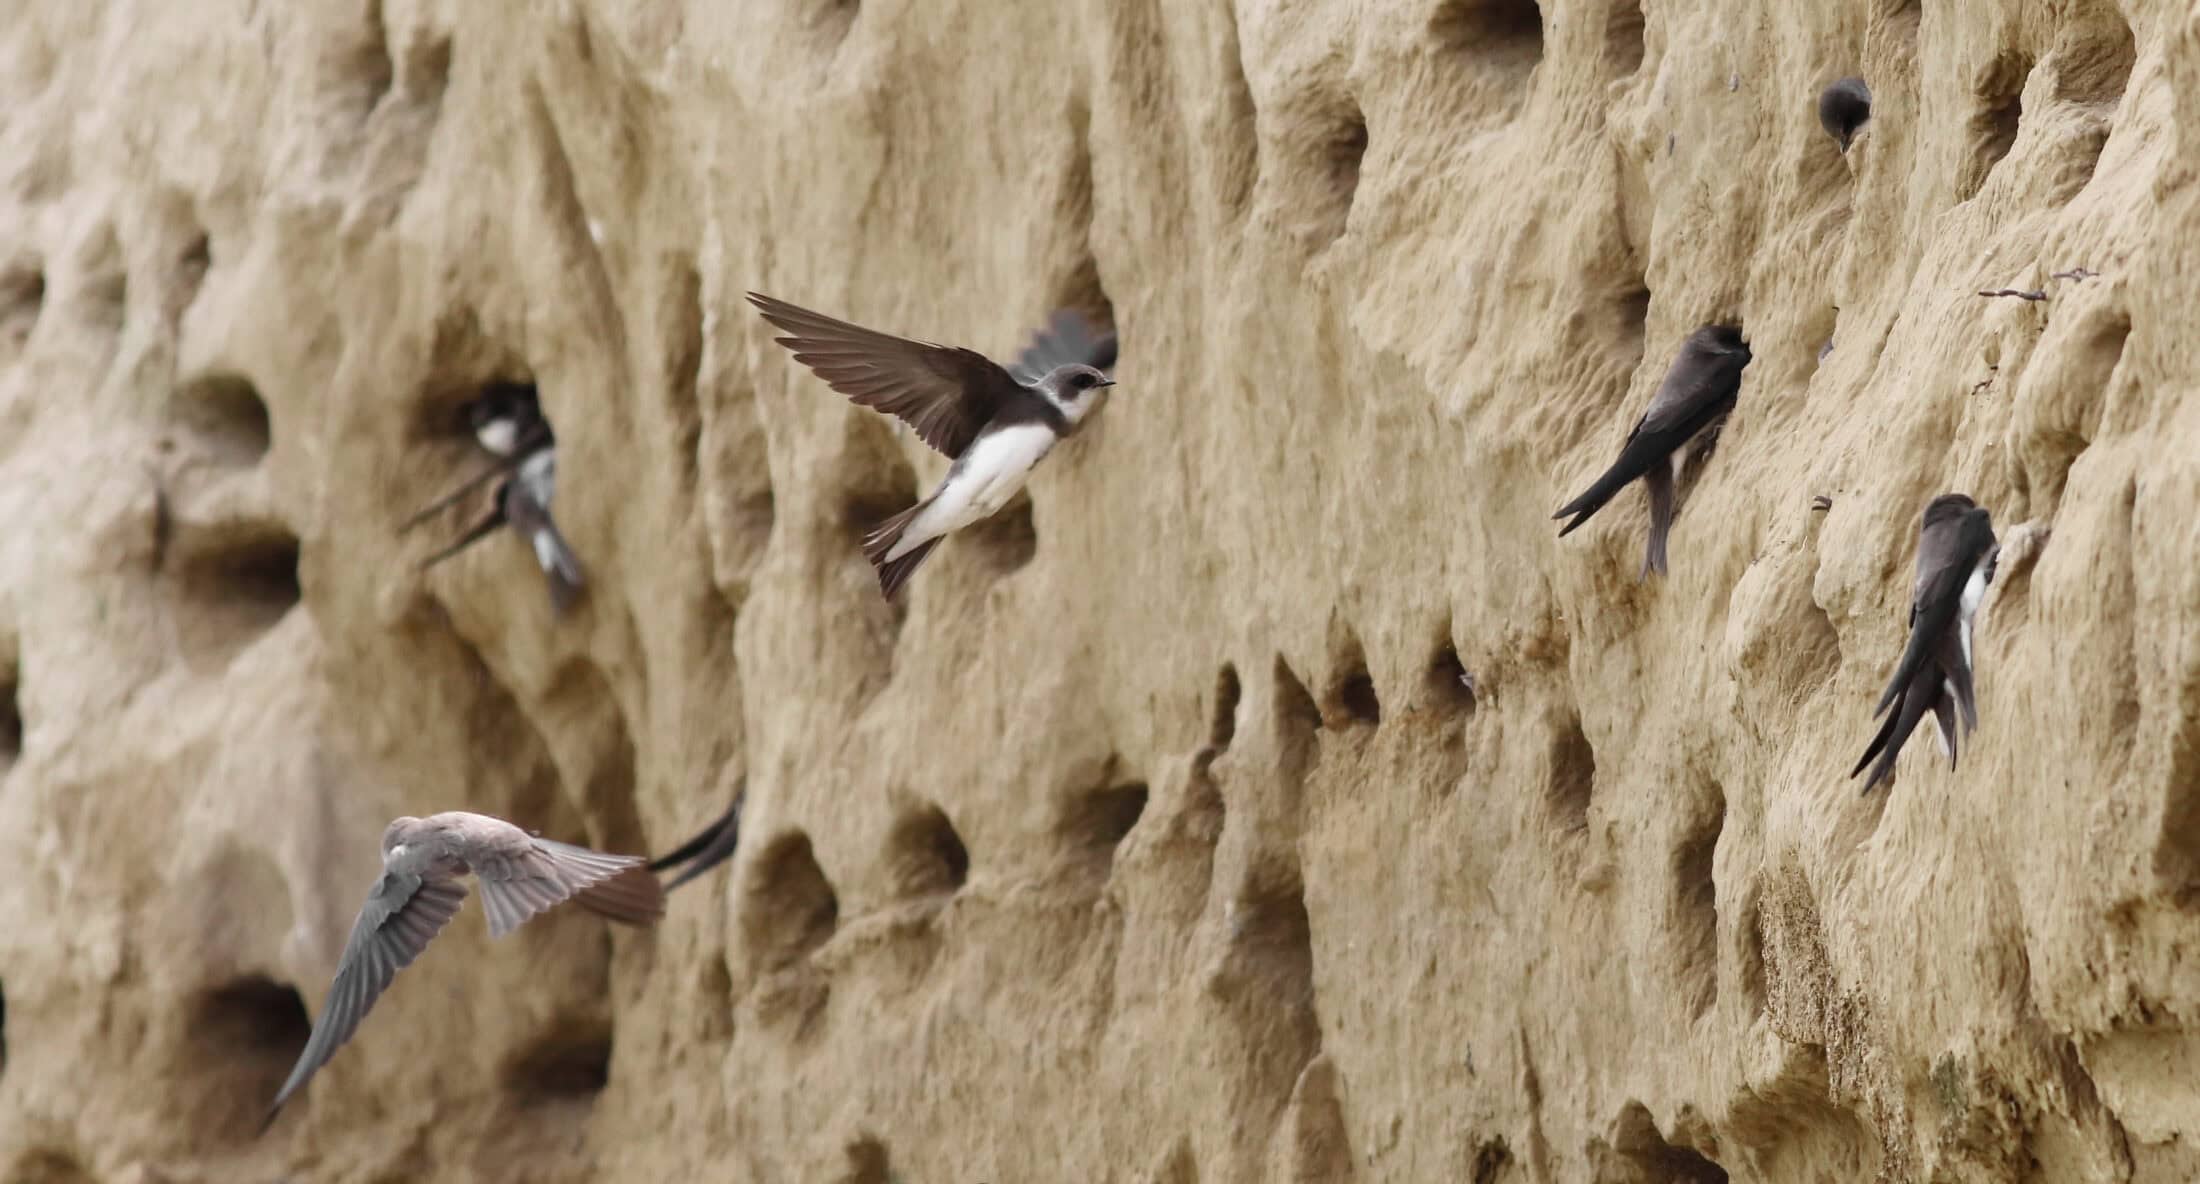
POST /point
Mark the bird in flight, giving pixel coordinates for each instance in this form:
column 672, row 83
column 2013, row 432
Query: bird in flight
column 424, row 865
column 959, row 402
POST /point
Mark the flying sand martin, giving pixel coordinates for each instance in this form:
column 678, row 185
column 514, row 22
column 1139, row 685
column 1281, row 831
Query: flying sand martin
column 1843, row 108
column 1698, row 391
column 958, row 401
column 523, row 503
column 1956, row 554
column 420, row 889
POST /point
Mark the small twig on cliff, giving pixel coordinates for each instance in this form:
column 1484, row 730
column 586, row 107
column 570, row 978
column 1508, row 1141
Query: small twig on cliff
column 2021, row 295
column 2075, row 273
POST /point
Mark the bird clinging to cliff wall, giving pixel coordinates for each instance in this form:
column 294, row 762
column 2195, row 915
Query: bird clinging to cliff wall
column 523, row 502
column 1698, row 391
column 1844, row 107
column 958, row 401
column 1956, row 552
column 420, row 889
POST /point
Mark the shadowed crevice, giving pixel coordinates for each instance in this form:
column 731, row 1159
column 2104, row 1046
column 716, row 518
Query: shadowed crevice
column 225, row 416
column 570, row 1062
column 790, row 908
column 926, row 856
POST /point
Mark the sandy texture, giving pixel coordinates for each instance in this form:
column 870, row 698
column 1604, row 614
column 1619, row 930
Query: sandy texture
column 1157, row 837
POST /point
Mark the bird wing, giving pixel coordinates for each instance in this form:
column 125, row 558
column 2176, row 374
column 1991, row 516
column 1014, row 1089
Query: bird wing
column 708, row 849
column 1693, row 392
column 497, row 469
column 946, row 393
column 1070, row 337
column 522, row 875
column 489, row 521
column 403, row 914
column 1945, row 557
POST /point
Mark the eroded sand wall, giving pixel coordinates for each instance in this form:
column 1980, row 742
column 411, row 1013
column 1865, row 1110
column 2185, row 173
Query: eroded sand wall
column 1157, row 837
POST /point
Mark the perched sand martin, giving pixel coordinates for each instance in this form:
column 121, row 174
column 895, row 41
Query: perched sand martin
column 707, row 850
column 959, row 402
column 1956, row 553
column 420, row 889
column 523, row 503
column 1698, row 391
column 507, row 421
column 1843, row 108
column 1070, row 337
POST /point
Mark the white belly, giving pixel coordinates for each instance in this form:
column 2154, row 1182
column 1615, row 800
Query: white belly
column 1974, row 593
column 982, row 481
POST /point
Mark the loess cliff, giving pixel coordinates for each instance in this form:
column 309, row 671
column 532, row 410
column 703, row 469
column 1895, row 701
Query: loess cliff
column 1270, row 795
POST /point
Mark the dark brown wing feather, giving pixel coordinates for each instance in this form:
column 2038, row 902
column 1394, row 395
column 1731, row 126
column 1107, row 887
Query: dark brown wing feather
column 402, row 915
column 947, row 394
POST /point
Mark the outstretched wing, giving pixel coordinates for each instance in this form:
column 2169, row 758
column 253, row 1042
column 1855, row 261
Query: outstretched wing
column 1070, row 338
column 522, row 875
column 402, row 915
column 944, row 392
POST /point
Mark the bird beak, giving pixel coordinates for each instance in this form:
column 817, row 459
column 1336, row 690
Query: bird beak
column 1104, row 383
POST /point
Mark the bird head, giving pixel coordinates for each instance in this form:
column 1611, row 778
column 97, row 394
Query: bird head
column 1074, row 390
column 1721, row 340
column 397, row 833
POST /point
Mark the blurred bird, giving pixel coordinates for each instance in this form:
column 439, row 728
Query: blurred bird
column 959, row 402
column 1956, row 554
column 1698, row 391
column 507, row 420
column 523, row 503
column 1070, row 338
column 420, row 889
column 1843, row 108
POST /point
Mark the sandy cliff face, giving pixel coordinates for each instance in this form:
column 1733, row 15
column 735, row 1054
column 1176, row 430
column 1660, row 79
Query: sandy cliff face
column 1157, row 837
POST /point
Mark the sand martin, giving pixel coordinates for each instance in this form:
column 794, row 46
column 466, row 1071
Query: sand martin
column 1070, row 337
column 420, row 889
column 523, row 503
column 507, row 420
column 959, row 402
column 1697, row 393
column 707, row 850
column 1843, row 109
column 1956, row 553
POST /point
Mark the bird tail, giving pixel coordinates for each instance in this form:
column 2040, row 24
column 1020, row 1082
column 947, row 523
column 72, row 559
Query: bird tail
column 893, row 573
column 1658, row 482
column 1592, row 500
column 1944, row 715
column 560, row 566
column 633, row 897
column 1894, row 732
